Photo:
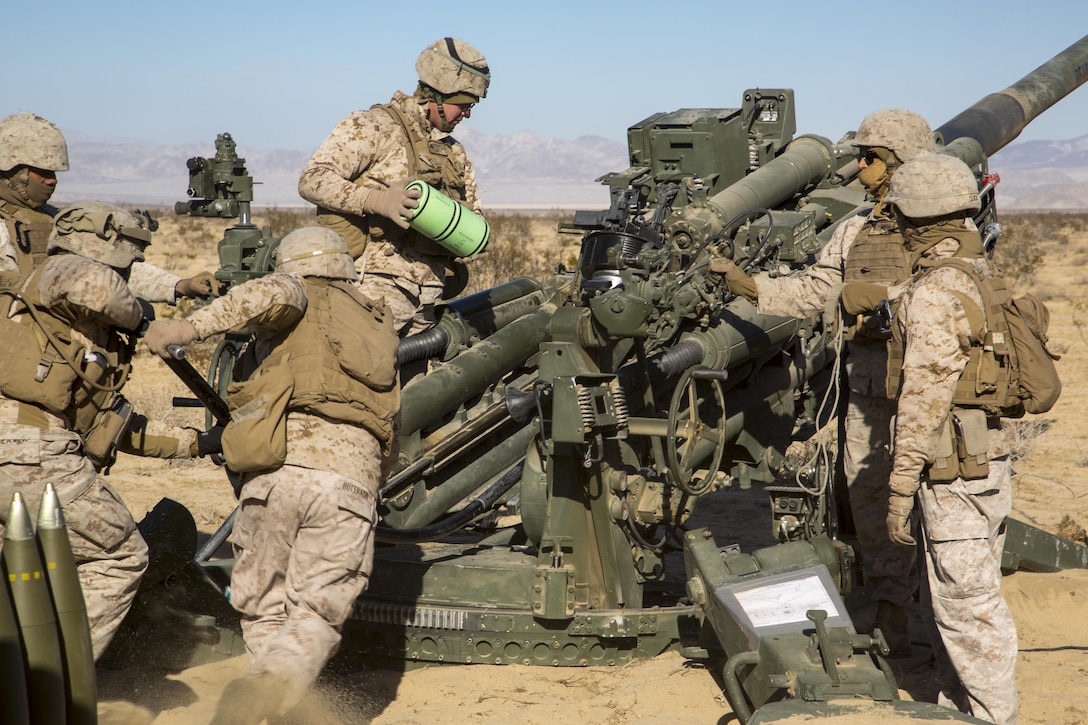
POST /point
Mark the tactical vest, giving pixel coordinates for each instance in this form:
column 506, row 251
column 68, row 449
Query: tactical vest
column 43, row 364
column 877, row 255
column 342, row 359
column 428, row 160
column 989, row 379
column 29, row 230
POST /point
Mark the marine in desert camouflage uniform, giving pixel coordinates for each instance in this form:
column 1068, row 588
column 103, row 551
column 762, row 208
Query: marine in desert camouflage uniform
column 79, row 294
column 961, row 519
column 358, row 174
column 304, row 536
column 32, row 151
column 865, row 248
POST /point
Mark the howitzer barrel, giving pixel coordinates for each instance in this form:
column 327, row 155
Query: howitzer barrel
column 473, row 317
column 997, row 119
column 431, row 396
column 808, row 161
column 743, row 335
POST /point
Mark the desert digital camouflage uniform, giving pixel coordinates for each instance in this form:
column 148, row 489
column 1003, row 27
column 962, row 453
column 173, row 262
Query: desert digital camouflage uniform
column 37, row 446
column 961, row 520
column 866, row 449
column 371, row 150
column 146, row 281
column 866, row 249
column 26, row 221
column 303, row 540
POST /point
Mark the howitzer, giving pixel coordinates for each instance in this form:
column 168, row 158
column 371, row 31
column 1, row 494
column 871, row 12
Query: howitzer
column 221, row 187
column 553, row 459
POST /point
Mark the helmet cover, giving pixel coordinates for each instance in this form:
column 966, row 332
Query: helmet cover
column 452, row 66
column 102, row 232
column 315, row 252
column 903, row 132
column 933, row 185
column 27, row 139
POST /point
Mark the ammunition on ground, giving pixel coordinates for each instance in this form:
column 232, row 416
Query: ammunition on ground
column 34, row 613
column 13, row 678
column 71, row 611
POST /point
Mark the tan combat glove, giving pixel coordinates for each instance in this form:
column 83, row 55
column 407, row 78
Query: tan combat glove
column 201, row 285
column 163, row 333
column 898, row 521
column 393, row 203
column 862, row 297
column 736, row 280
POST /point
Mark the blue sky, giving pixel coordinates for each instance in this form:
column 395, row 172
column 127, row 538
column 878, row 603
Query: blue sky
column 280, row 74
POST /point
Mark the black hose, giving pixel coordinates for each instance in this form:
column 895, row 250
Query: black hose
column 423, row 346
column 665, row 364
column 480, row 505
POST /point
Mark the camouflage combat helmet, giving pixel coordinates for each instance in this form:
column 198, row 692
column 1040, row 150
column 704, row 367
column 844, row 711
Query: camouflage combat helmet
column 903, row 132
column 454, row 68
column 102, row 232
column 933, row 185
column 29, row 140
column 316, row 252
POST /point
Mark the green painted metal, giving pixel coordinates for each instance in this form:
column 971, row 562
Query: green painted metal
column 555, row 452
column 1031, row 549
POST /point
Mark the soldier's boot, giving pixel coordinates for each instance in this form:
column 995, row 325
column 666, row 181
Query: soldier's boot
column 249, row 700
column 893, row 622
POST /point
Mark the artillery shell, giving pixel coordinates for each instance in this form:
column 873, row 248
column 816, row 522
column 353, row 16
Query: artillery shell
column 34, row 613
column 13, row 680
column 71, row 611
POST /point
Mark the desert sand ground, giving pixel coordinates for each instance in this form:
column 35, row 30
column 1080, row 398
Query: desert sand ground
column 1051, row 610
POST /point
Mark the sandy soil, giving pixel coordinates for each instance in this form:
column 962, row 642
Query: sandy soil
column 1050, row 609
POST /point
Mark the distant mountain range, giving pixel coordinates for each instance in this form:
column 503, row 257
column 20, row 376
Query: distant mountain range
column 522, row 171
column 1043, row 174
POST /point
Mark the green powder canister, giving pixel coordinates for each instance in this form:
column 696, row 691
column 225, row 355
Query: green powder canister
column 452, row 224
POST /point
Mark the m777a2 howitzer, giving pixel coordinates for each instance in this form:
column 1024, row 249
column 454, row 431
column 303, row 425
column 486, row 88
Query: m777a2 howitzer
column 553, row 458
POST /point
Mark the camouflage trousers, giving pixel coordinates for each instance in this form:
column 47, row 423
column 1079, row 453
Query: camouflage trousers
column 962, row 539
column 886, row 565
column 109, row 553
column 412, row 304
column 304, row 548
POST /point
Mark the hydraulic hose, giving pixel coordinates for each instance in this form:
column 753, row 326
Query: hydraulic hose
column 478, row 506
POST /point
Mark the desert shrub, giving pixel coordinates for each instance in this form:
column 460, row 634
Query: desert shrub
column 283, row 220
column 509, row 227
column 1019, row 249
column 522, row 245
column 1023, row 435
column 1028, row 237
column 1080, row 315
column 502, row 263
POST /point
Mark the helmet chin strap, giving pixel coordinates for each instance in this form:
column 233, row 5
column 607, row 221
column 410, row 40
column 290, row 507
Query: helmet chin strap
column 426, row 92
column 445, row 127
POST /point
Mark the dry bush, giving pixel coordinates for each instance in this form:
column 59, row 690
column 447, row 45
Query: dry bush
column 1028, row 237
column 283, row 220
column 1080, row 314
column 1019, row 249
column 1023, row 435
column 521, row 245
column 1070, row 529
column 510, row 226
